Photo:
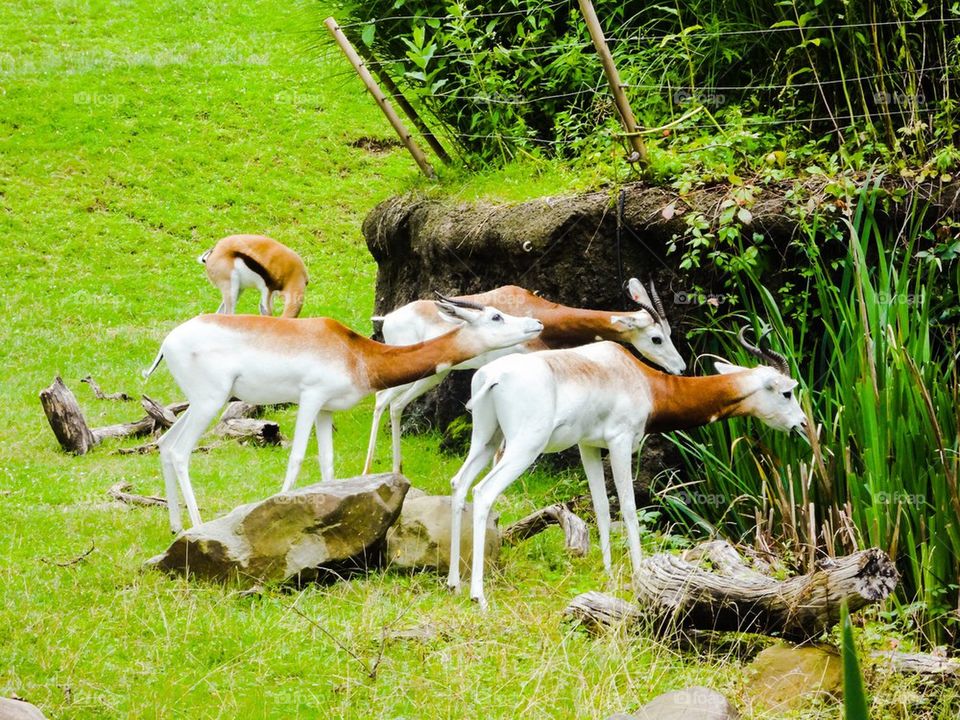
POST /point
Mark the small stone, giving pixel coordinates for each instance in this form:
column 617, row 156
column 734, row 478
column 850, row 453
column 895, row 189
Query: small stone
column 292, row 535
column 693, row 703
column 420, row 539
column 19, row 710
column 784, row 677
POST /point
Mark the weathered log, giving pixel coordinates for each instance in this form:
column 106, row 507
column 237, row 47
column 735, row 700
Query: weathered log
column 598, row 611
column 575, row 532
column 66, row 419
column 119, row 491
column 260, row 432
column 918, row 664
column 679, row 593
column 99, row 394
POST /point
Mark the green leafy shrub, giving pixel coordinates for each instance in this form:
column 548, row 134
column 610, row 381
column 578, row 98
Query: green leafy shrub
column 516, row 74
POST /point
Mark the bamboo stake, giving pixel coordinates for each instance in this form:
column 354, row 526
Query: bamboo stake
column 613, row 78
column 360, row 66
column 409, row 110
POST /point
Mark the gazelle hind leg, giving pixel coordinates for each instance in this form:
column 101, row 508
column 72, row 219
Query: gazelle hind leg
column 516, row 459
column 479, row 457
column 177, row 445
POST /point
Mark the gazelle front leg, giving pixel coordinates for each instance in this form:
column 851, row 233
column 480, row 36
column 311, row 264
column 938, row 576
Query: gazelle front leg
column 593, row 467
column 306, row 415
column 621, row 454
column 324, row 426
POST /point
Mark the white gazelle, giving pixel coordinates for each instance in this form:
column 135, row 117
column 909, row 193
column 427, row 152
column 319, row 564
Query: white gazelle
column 646, row 330
column 316, row 362
column 598, row 396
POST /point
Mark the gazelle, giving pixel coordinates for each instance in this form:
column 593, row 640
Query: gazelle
column 598, row 396
column 242, row 261
column 316, row 362
column 645, row 329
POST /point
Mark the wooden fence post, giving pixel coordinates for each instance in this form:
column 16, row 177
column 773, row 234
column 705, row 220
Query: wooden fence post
column 360, row 66
column 613, row 79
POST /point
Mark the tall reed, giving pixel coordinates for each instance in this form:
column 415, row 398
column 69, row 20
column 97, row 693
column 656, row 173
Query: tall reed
column 880, row 382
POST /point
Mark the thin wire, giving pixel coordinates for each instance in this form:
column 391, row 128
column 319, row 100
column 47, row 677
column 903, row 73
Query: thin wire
column 467, row 14
column 861, row 78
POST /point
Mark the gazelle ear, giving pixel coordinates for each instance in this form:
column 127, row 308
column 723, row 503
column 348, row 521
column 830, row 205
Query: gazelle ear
column 454, row 313
column 726, row 368
column 625, row 320
column 638, row 293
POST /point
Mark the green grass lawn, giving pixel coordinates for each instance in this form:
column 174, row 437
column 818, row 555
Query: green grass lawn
column 132, row 136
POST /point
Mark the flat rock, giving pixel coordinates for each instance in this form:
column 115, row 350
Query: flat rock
column 784, row 677
column 19, row 710
column 292, row 535
column 693, row 703
column 420, row 539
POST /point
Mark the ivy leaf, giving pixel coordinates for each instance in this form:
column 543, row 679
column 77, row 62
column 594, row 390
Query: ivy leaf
column 368, row 34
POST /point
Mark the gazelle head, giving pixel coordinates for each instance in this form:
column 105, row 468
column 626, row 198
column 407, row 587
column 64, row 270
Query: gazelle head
column 771, row 397
column 491, row 329
column 647, row 329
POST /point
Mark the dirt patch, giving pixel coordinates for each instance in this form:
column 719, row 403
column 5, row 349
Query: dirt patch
column 376, row 146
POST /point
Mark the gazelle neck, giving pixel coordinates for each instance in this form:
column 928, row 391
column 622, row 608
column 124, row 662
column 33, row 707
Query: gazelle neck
column 680, row 403
column 391, row 365
column 569, row 327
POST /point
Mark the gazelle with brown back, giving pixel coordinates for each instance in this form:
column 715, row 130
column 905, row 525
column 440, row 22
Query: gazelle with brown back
column 646, row 330
column 315, row 362
column 598, row 396
column 242, row 261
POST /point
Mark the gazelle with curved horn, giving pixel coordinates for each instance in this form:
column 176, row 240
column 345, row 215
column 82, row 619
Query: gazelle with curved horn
column 315, row 362
column 646, row 330
column 598, row 396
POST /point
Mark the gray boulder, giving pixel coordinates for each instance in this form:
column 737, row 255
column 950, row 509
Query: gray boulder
column 19, row 710
column 292, row 535
column 693, row 703
column 420, row 539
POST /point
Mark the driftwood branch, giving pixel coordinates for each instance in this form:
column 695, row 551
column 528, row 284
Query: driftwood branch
column 575, row 532
column 75, row 561
column 711, row 588
column 598, row 611
column 75, row 436
column 120, row 492
column 99, row 394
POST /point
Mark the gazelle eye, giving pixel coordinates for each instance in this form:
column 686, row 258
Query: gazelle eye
column 788, row 394
column 657, row 340
column 497, row 318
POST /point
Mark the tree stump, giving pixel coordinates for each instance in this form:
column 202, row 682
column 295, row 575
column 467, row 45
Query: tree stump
column 66, row 418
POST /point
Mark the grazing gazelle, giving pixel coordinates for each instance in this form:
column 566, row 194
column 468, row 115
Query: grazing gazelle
column 598, row 396
column 316, row 362
column 646, row 329
column 243, row 261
